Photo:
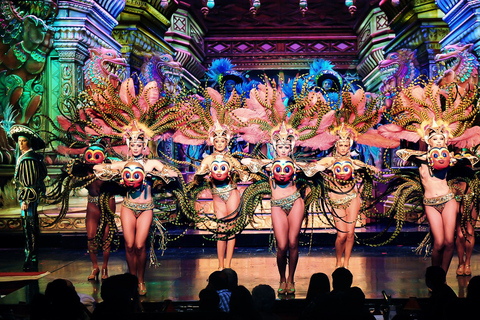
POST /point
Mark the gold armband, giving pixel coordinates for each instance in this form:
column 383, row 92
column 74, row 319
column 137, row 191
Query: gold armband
column 106, row 173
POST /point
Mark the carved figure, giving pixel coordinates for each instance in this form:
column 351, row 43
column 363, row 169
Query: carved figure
column 457, row 64
column 161, row 68
column 398, row 67
column 104, row 64
column 27, row 39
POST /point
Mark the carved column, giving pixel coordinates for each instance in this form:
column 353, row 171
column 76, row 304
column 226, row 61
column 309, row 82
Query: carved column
column 463, row 18
column 373, row 35
column 186, row 35
column 80, row 25
column 141, row 28
column 418, row 25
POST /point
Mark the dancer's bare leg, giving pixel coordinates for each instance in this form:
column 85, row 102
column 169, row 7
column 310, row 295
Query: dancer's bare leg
column 340, row 242
column 92, row 219
column 470, row 238
column 144, row 221
column 129, row 224
column 106, row 250
column 280, row 230
column 442, row 226
column 352, row 213
column 232, row 205
column 295, row 219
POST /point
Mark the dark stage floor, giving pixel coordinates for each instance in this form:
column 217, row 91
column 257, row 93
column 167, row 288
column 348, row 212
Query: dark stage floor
column 183, row 273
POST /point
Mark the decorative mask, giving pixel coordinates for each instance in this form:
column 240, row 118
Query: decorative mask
column 220, row 169
column 133, row 175
column 94, row 155
column 439, row 158
column 283, row 170
column 343, row 170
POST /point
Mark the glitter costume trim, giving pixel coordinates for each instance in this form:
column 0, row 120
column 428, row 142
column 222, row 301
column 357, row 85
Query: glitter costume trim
column 439, row 202
column 343, row 203
column 224, row 192
column 138, row 208
column 285, row 203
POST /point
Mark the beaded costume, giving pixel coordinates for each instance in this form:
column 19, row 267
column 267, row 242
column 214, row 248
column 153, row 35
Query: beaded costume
column 203, row 120
column 420, row 113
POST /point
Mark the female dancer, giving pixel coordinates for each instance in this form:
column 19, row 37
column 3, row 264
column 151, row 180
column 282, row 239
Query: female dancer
column 287, row 206
column 441, row 207
column 204, row 120
column 136, row 213
column 95, row 154
column 465, row 240
column 438, row 116
column 265, row 119
column 343, row 193
column 218, row 168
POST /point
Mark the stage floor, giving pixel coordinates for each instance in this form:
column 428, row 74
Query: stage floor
column 184, row 271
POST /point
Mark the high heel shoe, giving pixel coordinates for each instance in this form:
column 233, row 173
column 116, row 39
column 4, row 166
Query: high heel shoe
column 461, row 270
column 142, row 289
column 290, row 287
column 282, row 288
column 468, row 270
column 94, row 274
column 104, row 273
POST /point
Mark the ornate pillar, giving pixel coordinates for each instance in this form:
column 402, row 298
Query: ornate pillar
column 463, row 18
column 80, row 25
column 418, row 25
column 374, row 34
column 186, row 35
column 141, row 28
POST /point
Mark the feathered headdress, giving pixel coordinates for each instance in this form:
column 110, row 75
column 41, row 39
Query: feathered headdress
column 266, row 119
column 202, row 119
column 356, row 118
column 121, row 114
column 221, row 70
column 418, row 112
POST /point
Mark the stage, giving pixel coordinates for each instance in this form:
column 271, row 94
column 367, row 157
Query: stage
column 184, row 271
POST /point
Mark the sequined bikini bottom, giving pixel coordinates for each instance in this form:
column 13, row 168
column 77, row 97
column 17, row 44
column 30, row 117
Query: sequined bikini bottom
column 138, row 208
column 285, row 203
column 439, row 202
column 343, row 203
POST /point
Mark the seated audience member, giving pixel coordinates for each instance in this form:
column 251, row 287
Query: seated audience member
column 319, row 284
column 241, row 305
column 64, row 302
column 441, row 295
column 263, row 297
column 342, row 279
column 209, row 300
column 120, row 298
column 232, row 278
column 473, row 297
column 218, row 281
column 355, row 307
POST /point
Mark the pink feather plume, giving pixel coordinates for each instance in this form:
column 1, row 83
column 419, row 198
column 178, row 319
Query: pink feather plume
column 395, row 132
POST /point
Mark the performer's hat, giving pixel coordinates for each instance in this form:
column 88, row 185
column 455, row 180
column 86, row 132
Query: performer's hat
column 36, row 143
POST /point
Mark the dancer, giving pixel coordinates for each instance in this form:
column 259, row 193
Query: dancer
column 438, row 116
column 465, row 240
column 98, row 191
column 219, row 168
column 287, row 205
column 207, row 120
column 267, row 119
column 136, row 213
column 344, row 199
column 30, row 171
